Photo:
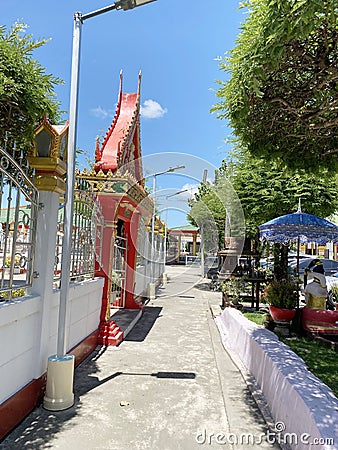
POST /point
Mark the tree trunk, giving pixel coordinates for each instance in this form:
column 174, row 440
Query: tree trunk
column 280, row 252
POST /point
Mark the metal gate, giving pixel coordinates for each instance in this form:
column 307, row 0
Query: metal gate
column 119, row 272
column 87, row 230
column 19, row 204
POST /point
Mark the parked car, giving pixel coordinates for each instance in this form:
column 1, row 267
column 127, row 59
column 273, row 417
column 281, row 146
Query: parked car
column 267, row 263
column 331, row 281
column 332, row 299
column 330, row 266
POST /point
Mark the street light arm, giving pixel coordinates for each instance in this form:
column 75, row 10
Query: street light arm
column 120, row 4
column 153, row 218
column 171, row 169
column 179, row 192
column 98, row 12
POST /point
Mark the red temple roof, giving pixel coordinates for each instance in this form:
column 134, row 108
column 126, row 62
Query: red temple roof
column 121, row 143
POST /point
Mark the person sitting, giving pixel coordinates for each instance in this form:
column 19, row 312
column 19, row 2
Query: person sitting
column 316, row 292
column 315, row 318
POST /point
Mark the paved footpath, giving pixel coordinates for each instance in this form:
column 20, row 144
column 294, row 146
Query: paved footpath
column 169, row 385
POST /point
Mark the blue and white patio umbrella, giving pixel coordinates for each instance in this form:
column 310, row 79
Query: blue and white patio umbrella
column 300, row 227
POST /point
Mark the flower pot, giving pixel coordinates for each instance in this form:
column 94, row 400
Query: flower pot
column 281, row 314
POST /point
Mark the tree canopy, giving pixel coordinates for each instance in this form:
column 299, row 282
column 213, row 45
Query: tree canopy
column 269, row 189
column 216, row 209
column 208, row 214
column 282, row 96
column 264, row 190
column 26, row 91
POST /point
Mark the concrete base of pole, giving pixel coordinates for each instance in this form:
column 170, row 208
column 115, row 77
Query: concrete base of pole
column 152, row 289
column 59, row 388
column 164, row 278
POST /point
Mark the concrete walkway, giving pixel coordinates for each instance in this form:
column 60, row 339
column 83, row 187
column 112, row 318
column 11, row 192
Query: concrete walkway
column 169, row 385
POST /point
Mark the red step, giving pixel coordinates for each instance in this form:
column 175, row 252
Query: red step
column 110, row 334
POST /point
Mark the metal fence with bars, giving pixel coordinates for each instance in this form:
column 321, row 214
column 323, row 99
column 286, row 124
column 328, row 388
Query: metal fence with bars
column 19, row 203
column 87, row 233
column 19, row 206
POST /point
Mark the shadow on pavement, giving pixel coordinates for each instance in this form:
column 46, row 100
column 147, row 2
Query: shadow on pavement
column 41, row 426
column 203, row 286
column 144, row 325
column 167, row 375
column 37, row 429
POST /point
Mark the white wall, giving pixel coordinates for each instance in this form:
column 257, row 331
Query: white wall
column 85, row 307
column 22, row 358
column 295, row 397
column 18, row 336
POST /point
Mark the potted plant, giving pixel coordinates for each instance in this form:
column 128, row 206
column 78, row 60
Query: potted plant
column 231, row 291
column 282, row 297
column 8, row 262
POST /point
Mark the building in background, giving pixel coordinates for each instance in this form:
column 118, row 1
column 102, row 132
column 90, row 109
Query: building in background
column 183, row 242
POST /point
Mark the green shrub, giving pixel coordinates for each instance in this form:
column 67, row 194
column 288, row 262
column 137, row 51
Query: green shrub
column 282, row 294
column 334, row 291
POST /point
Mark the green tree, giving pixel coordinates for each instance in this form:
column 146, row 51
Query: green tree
column 270, row 189
column 264, row 190
column 26, row 91
column 207, row 213
column 216, row 207
column 282, row 96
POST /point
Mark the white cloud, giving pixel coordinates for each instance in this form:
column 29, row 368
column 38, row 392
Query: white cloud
column 149, row 110
column 152, row 110
column 100, row 113
column 188, row 191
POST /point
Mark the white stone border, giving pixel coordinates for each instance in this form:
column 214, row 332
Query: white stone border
column 295, row 397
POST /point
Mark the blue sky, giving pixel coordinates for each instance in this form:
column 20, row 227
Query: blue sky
column 175, row 44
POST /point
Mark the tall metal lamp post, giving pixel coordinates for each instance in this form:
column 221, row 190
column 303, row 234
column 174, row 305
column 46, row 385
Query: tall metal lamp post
column 165, row 231
column 153, row 220
column 60, row 371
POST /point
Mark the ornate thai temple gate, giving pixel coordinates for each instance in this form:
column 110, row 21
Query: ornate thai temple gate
column 117, row 179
